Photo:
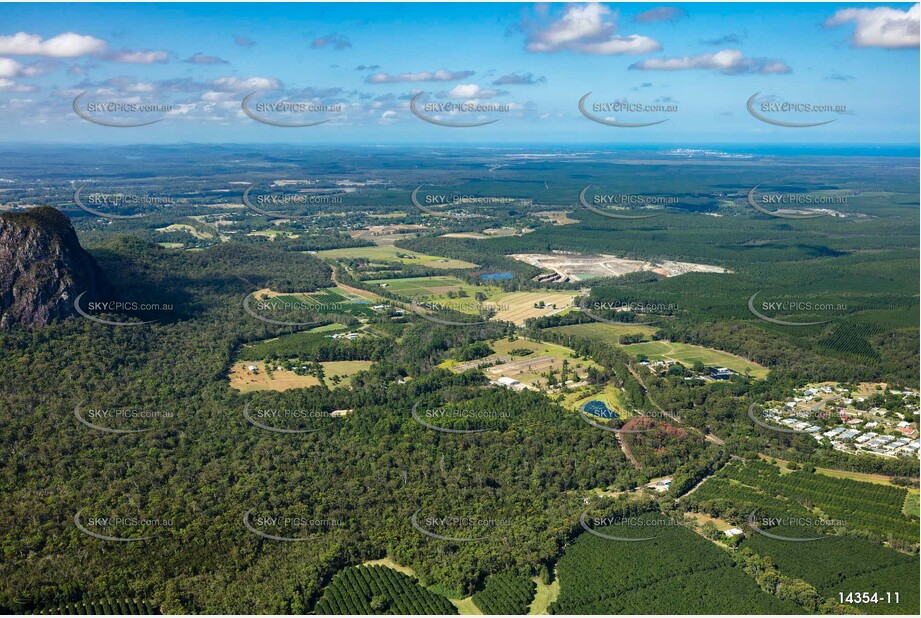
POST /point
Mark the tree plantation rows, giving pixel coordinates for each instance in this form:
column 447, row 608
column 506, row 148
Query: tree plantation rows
column 505, row 594
column 379, row 590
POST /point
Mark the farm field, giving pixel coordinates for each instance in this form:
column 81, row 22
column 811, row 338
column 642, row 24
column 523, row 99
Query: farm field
column 607, row 333
column 517, row 307
column 385, row 253
column 846, row 564
column 435, row 288
column 505, row 594
column 379, row 590
column 688, row 354
column 527, row 369
column 741, row 487
column 544, row 595
column 675, row 572
column 244, row 381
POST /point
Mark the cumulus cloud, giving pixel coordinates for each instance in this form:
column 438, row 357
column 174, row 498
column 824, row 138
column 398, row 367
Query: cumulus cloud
column 470, row 91
column 14, row 68
column 660, row 13
column 336, row 41
column 242, row 41
column 519, row 79
column 441, row 75
column 881, row 26
column 249, row 84
column 200, row 58
column 67, row 45
column 136, row 56
column 727, row 61
column 10, row 68
column 8, row 85
column 586, row 29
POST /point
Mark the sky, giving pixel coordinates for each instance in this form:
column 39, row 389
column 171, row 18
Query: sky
column 355, row 73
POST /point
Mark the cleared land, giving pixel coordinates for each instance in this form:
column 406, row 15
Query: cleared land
column 606, row 333
column 519, row 306
column 527, row 369
column 687, row 354
column 433, row 288
column 513, row 307
column 578, row 267
column 246, row 382
column 393, row 254
column 182, row 227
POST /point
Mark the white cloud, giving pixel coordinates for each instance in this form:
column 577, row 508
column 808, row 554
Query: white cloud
column 137, row 56
column 67, row 45
column 587, row 29
column 469, row 91
column 882, row 26
column 9, row 68
column 236, row 84
column 727, row 61
column 8, row 85
column 441, row 75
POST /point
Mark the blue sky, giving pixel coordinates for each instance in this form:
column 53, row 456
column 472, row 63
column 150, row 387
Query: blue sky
column 363, row 63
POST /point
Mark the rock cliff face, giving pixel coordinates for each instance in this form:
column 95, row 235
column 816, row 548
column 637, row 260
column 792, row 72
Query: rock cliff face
column 43, row 269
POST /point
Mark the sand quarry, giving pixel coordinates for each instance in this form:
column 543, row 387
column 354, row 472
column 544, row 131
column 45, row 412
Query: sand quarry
column 578, row 267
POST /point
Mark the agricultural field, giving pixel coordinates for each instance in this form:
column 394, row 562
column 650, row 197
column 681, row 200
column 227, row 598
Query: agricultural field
column 435, row 288
column 741, row 487
column 606, row 332
column 247, row 381
column 367, row 590
column 390, row 253
column 529, row 370
column 517, row 307
column 505, row 594
column 510, row 306
column 688, row 354
column 327, row 301
column 845, row 564
column 677, row 572
column 289, row 346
